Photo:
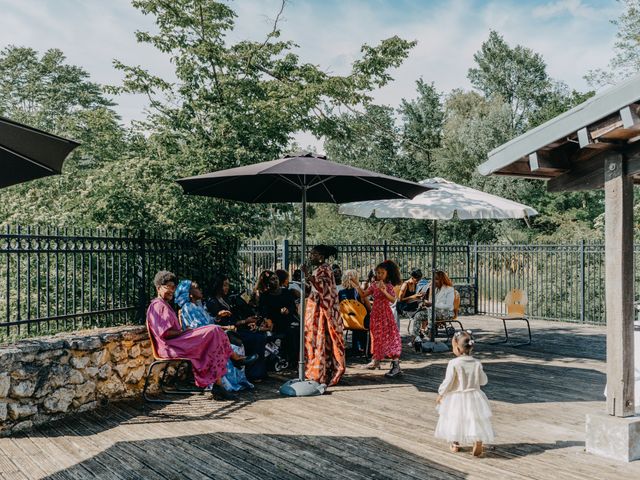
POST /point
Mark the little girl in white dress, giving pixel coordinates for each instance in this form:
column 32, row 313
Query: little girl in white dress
column 465, row 415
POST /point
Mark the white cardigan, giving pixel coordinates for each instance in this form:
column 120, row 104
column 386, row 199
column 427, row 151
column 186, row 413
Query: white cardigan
column 444, row 298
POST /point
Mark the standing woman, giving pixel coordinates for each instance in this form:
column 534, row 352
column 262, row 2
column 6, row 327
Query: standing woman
column 385, row 336
column 323, row 342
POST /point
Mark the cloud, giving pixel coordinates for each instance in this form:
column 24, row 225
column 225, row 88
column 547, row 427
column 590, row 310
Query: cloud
column 573, row 36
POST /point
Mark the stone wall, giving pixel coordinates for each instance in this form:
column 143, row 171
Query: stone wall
column 467, row 299
column 47, row 378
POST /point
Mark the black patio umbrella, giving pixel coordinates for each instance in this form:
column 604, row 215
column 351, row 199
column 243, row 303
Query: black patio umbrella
column 303, row 177
column 27, row 153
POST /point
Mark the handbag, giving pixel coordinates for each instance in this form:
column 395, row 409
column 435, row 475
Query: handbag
column 353, row 314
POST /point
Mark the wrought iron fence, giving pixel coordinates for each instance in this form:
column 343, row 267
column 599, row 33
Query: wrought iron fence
column 53, row 279
column 563, row 282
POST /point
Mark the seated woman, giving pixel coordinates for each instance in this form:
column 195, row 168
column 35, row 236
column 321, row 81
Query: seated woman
column 351, row 291
column 283, row 277
column 409, row 297
column 206, row 347
column 246, row 332
column 279, row 305
column 444, row 297
column 193, row 314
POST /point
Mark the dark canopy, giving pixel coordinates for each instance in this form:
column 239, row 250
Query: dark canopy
column 27, row 153
column 281, row 181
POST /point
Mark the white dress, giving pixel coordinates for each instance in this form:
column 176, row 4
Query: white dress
column 465, row 414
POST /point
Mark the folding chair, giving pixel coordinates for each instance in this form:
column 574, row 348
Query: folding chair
column 515, row 302
column 166, row 362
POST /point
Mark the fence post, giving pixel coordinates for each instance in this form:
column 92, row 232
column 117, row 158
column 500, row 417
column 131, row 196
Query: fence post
column 253, row 261
column 476, row 287
column 582, row 285
column 385, row 250
column 468, row 262
column 285, row 254
column 141, row 278
column 275, row 255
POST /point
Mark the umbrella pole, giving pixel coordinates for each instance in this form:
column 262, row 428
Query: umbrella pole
column 303, row 252
column 433, row 327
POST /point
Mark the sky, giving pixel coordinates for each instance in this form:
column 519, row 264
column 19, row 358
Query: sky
column 573, row 36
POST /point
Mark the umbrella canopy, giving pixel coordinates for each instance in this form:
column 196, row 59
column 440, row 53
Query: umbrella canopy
column 283, row 180
column 442, row 202
column 303, row 177
column 27, row 153
column 445, row 200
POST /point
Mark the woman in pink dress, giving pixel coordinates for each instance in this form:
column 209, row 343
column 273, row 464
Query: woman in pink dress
column 207, row 347
column 385, row 336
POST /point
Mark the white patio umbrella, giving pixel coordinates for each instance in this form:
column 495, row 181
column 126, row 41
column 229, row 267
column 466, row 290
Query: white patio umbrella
column 443, row 202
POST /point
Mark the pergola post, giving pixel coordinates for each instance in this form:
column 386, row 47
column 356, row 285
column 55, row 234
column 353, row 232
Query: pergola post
column 619, row 281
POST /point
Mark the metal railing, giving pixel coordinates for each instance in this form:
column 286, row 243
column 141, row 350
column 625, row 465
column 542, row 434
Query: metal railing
column 62, row 279
column 563, row 282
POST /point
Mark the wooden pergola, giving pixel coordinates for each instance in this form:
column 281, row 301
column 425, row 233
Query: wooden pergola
column 596, row 145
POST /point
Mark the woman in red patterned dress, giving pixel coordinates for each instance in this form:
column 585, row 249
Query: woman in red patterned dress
column 385, row 337
column 323, row 342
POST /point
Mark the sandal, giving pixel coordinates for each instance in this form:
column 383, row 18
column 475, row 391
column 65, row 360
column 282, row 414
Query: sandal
column 454, row 447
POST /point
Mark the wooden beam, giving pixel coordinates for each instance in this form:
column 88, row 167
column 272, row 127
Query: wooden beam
column 549, row 160
column 619, row 281
column 584, row 175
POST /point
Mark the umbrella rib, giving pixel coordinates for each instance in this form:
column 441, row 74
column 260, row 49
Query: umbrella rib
column 41, row 165
column 287, row 179
column 383, row 188
column 257, row 197
column 328, row 191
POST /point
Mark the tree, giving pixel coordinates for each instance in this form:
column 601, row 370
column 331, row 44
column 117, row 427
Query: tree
column 236, row 103
column 626, row 59
column 45, row 92
column 516, row 75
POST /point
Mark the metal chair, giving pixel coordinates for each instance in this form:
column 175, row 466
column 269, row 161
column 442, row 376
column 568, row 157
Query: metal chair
column 166, row 362
column 515, row 302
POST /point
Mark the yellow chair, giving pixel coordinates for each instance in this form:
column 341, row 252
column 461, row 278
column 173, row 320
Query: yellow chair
column 353, row 314
column 516, row 304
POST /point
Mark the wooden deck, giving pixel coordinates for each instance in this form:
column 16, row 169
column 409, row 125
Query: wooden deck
column 369, row 427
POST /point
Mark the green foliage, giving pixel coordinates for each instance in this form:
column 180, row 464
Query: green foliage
column 626, row 58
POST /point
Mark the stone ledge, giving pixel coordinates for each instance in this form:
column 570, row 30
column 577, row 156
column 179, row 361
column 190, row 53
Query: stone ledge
column 47, row 378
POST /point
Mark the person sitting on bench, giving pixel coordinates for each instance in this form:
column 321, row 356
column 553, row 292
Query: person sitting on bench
column 207, row 348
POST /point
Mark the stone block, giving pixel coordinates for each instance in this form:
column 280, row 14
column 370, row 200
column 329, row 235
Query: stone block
column 91, row 372
column 99, row 358
column 75, row 378
column 22, row 426
column 85, row 343
column 135, row 363
column 104, row 371
column 136, row 375
column 17, row 410
column 3, row 411
column 23, row 389
column 59, row 400
column 134, row 351
column 49, row 354
column 613, row 437
column 111, row 388
column 25, row 372
column 79, row 362
column 85, row 391
column 118, row 354
column 5, row 384
column 147, row 352
column 121, row 370
column 88, row 406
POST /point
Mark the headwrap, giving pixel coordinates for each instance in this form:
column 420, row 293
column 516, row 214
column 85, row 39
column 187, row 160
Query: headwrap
column 193, row 315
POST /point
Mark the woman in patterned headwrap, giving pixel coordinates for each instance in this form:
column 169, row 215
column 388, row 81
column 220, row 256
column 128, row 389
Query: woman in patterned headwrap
column 324, row 345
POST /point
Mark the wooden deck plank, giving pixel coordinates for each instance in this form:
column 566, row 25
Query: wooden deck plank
column 368, row 427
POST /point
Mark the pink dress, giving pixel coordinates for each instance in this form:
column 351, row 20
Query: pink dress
column 385, row 337
column 207, row 347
